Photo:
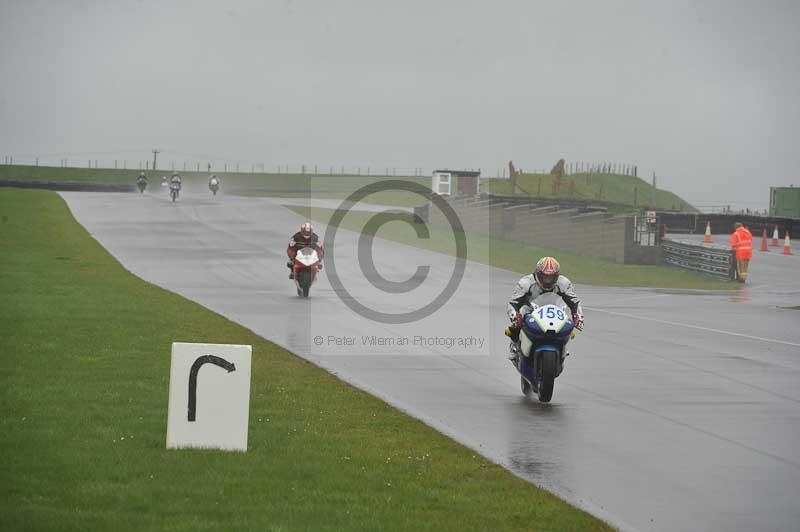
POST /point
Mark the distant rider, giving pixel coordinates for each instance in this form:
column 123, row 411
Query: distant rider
column 142, row 178
column 305, row 237
column 545, row 278
column 213, row 180
column 175, row 179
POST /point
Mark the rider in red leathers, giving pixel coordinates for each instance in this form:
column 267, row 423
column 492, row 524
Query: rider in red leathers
column 305, row 237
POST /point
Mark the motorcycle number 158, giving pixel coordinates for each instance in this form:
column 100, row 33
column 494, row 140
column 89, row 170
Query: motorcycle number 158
column 550, row 312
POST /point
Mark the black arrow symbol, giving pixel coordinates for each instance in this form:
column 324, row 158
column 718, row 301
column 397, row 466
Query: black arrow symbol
column 205, row 359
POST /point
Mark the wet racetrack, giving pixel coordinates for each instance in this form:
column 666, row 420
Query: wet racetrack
column 678, row 410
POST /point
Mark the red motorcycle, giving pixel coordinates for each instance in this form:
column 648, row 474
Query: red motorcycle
column 305, row 265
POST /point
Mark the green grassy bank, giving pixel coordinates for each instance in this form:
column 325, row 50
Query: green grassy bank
column 625, row 193
column 622, row 190
column 521, row 257
column 84, row 372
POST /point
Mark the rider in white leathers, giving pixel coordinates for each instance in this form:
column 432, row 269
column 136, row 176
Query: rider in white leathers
column 546, row 278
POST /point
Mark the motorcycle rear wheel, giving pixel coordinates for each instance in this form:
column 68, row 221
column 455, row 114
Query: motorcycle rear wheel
column 525, row 386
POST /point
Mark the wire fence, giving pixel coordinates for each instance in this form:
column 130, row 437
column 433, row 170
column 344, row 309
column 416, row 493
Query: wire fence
column 578, row 167
column 216, row 166
column 166, row 161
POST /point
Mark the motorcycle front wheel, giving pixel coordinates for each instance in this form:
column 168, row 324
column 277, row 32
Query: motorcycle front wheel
column 548, row 376
column 305, row 281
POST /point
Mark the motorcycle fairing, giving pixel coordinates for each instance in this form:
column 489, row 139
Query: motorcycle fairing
column 307, row 256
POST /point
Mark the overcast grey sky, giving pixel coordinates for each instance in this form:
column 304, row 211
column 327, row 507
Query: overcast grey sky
column 703, row 93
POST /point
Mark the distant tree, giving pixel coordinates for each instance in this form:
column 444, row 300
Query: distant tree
column 558, row 176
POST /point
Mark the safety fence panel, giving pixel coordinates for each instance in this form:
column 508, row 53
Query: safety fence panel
column 717, row 262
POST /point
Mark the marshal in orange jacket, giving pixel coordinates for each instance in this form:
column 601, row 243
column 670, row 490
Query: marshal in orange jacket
column 742, row 243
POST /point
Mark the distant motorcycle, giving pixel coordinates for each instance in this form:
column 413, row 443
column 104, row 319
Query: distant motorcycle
column 546, row 329
column 213, row 185
column 174, row 190
column 305, row 267
column 142, row 184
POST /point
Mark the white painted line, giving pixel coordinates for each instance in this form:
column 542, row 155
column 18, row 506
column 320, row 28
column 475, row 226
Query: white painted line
column 636, row 298
column 689, row 326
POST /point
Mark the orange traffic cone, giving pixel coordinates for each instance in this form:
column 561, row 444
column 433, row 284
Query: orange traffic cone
column 764, row 240
column 787, row 246
column 707, row 237
column 775, row 237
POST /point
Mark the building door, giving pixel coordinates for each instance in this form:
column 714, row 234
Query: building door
column 467, row 185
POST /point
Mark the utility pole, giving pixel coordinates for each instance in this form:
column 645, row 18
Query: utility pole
column 653, row 199
column 155, row 156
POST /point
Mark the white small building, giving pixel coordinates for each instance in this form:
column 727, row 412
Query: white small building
column 455, row 182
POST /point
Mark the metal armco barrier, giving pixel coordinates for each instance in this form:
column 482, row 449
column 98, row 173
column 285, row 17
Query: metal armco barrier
column 716, row 262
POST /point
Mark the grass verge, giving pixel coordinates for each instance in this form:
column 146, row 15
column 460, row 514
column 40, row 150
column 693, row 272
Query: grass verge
column 619, row 189
column 520, row 257
column 84, row 379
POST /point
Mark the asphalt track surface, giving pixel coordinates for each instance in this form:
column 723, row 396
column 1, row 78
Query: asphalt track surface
column 678, row 410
